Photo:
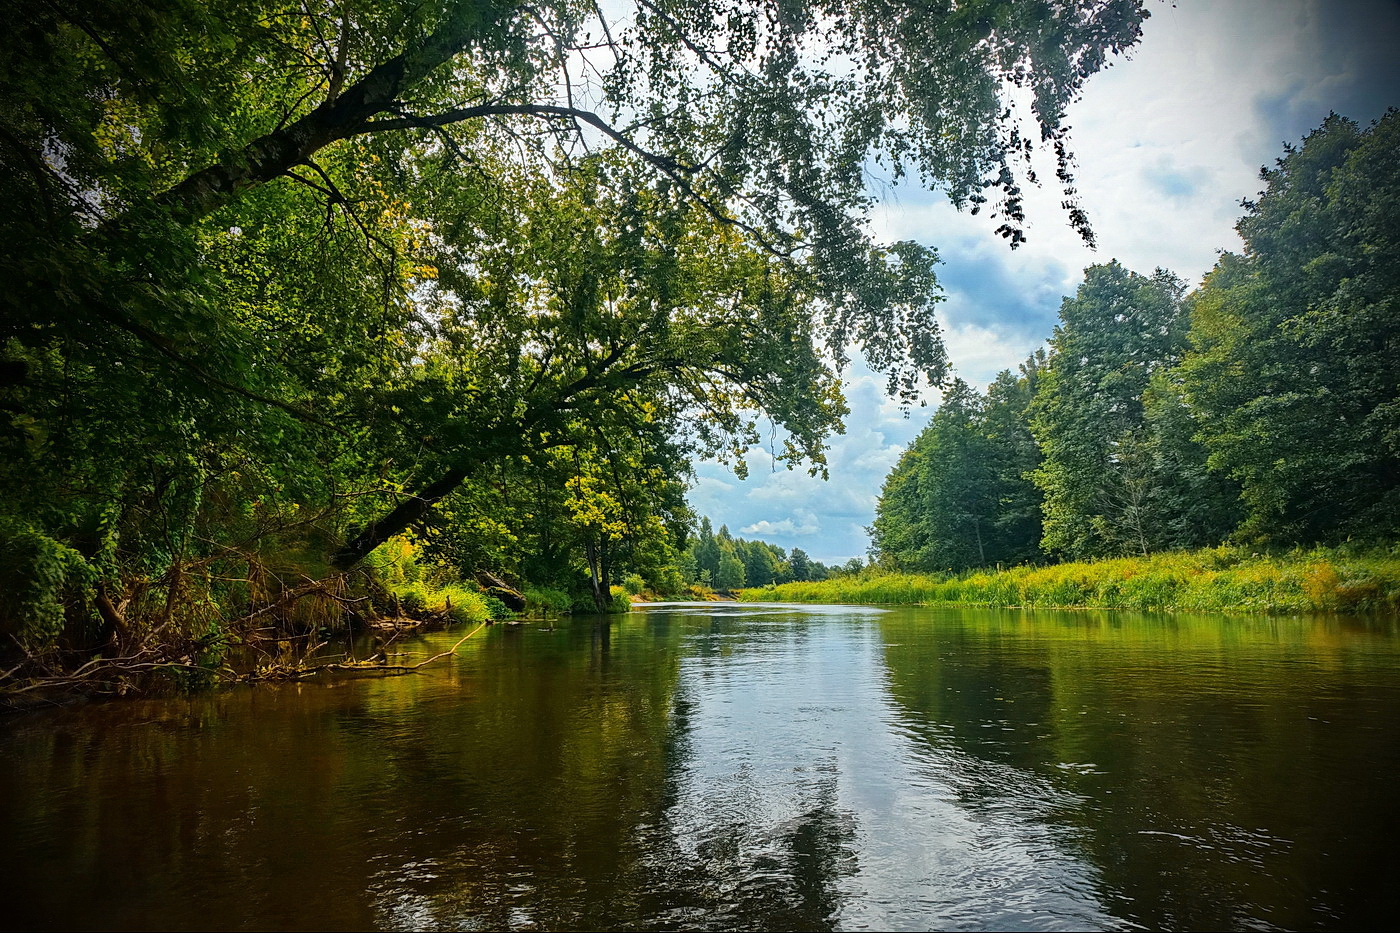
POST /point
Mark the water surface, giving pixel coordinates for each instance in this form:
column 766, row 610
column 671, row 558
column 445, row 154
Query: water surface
column 743, row 767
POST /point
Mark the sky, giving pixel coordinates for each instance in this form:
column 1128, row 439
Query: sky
column 1168, row 141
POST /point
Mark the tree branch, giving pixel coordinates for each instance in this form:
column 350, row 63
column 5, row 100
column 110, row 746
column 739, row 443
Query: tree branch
column 338, row 117
column 668, row 166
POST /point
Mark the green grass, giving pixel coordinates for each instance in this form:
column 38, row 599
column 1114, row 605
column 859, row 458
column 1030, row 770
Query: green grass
column 1223, row 579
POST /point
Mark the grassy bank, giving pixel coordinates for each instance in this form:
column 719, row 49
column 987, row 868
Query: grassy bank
column 1224, row 579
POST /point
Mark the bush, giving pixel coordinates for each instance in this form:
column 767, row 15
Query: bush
column 36, row 574
column 410, row 599
column 633, row 584
column 618, row 600
column 462, row 605
column 543, row 599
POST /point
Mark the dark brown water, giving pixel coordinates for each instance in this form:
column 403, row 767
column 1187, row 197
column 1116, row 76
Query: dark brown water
column 743, row 767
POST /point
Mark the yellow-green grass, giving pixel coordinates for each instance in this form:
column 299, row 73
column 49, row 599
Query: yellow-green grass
column 1223, row 579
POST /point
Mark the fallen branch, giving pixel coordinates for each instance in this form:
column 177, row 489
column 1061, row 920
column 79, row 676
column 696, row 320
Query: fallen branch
column 120, row 676
column 301, row 672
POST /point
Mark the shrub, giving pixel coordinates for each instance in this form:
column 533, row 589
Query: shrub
column 633, row 584
column 543, row 599
column 618, row 600
column 36, row 574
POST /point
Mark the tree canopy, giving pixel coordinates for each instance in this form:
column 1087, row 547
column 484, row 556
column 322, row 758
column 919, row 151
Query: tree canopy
column 1295, row 357
column 960, row 496
column 283, row 277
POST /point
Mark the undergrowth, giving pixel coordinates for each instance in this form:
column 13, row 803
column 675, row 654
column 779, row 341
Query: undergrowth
column 1221, row 579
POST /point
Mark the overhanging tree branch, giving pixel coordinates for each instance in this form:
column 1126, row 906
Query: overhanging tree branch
column 339, row 116
column 668, row 166
column 166, row 348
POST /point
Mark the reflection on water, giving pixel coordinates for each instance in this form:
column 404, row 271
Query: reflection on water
column 725, row 766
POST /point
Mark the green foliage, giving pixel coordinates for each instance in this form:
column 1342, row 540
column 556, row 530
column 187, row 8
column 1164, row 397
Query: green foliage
column 544, row 600
column 37, row 576
column 711, row 557
column 618, row 600
column 959, row 496
column 1273, row 419
column 1295, row 350
column 730, row 575
column 1110, row 468
column 583, row 600
column 1223, row 579
column 799, row 566
column 401, row 567
column 282, row 280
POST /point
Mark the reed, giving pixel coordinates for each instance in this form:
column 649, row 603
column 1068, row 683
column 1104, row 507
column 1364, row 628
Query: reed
column 1345, row 578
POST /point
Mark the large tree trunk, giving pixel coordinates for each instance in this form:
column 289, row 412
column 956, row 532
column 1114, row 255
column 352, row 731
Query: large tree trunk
column 396, row 520
column 340, row 116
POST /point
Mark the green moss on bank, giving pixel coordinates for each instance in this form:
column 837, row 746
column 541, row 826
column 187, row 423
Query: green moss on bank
column 1223, row 579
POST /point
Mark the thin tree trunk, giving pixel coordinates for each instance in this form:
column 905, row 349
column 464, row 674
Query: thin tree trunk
column 591, row 553
column 114, row 621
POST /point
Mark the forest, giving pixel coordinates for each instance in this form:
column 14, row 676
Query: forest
column 1232, row 447
column 1261, row 408
column 316, row 314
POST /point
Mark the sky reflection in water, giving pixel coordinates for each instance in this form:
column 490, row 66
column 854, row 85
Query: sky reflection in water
column 756, row 767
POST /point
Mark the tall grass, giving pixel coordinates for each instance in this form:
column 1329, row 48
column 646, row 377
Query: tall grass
column 1223, row 579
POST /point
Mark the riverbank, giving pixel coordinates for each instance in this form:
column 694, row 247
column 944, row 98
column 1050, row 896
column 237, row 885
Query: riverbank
column 1223, row 579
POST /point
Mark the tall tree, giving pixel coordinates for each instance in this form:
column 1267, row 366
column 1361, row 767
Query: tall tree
column 1098, row 476
column 1015, row 456
column 800, row 565
column 938, row 509
column 1294, row 369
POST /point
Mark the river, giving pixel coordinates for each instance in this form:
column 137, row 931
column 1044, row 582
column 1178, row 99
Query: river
column 739, row 766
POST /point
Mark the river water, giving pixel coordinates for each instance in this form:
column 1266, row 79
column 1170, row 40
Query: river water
column 723, row 766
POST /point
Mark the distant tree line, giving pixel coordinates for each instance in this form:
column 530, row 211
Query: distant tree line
column 1264, row 406
column 719, row 560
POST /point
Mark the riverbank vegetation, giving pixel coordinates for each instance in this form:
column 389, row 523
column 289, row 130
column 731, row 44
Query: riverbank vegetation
column 1260, row 411
column 1220, row 579
column 288, row 284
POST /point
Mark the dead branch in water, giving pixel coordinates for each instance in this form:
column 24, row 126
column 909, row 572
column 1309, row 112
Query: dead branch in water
column 278, row 672
column 119, row 676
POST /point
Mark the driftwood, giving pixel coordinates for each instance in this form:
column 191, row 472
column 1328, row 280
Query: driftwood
column 494, row 586
column 118, row 676
column 373, row 666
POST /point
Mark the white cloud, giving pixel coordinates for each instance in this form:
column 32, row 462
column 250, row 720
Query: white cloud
column 801, row 524
column 1167, row 144
column 979, row 353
